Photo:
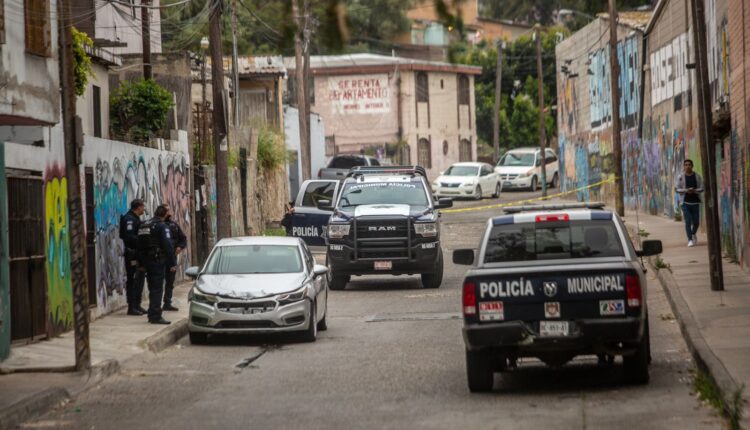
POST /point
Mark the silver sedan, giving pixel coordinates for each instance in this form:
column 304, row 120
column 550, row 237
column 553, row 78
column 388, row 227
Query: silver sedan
column 258, row 285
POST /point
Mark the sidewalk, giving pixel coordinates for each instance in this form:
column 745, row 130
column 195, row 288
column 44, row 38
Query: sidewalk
column 716, row 325
column 31, row 379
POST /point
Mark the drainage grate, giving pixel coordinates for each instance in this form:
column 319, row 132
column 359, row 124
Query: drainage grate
column 418, row 316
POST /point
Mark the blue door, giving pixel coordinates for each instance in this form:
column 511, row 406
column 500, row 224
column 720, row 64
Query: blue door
column 309, row 222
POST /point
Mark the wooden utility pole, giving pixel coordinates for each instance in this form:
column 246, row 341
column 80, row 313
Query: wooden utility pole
column 542, row 131
column 146, row 38
column 301, row 90
column 221, row 145
column 306, row 48
column 614, row 66
column 235, row 71
column 73, row 144
column 496, row 111
column 705, row 122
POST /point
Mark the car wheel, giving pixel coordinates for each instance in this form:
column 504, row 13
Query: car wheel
column 479, row 371
column 339, row 282
column 434, row 279
column 198, row 338
column 635, row 367
column 498, row 189
column 534, row 182
column 555, row 181
column 478, row 193
column 322, row 324
column 311, row 333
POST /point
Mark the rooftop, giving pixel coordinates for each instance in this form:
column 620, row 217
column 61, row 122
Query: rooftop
column 634, row 19
column 333, row 64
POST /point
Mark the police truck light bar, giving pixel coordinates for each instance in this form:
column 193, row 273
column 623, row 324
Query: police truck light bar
column 560, row 207
column 387, row 170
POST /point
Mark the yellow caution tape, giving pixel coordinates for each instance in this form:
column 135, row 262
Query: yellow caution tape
column 536, row 199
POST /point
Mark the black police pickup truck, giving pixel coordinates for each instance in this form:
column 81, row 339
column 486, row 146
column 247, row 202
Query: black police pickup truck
column 555, row 282
column 383, row 220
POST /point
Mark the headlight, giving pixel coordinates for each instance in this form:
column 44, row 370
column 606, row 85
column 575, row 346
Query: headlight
column 199, row 297
column 296, row 296
column 337, row 231
column 523, row 175
column 468, row 184
column 426, row 229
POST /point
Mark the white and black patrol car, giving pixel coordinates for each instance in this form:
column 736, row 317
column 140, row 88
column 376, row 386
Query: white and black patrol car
column 384, row 221
column 555, row 282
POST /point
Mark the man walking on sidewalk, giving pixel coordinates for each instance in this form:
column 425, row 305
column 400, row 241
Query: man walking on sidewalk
column 129, row 224
column 157, row 256
column 689, row 186
column 179, row 243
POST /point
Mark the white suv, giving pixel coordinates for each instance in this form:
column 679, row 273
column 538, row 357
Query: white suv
column 521, row 168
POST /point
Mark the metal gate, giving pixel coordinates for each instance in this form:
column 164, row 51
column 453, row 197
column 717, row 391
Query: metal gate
column 28, row 283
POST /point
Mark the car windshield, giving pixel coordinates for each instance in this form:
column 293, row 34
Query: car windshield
column 519, row 159
column 462, row 171
column 405, row 193
column 553, row 241
column 249, row 259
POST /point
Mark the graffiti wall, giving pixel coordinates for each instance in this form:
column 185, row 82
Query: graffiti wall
column 59, row 287
column 123, row 172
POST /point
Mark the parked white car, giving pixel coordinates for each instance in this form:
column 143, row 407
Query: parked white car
column 473, row 180
column 521, row 168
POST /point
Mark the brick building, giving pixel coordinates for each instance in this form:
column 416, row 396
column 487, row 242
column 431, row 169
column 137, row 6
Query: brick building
column 402, row 110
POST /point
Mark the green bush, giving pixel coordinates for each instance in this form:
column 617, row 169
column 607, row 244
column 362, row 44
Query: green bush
column 81, row 60
column 271, row 151
column 139, row 110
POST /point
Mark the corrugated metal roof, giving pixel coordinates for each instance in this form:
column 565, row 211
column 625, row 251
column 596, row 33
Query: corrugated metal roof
column 260, row 65
column 635, row 19
column 371, row 60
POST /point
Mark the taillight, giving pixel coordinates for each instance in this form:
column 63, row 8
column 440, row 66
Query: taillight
column 470, row 298
column 633, row 289
column 555, row 217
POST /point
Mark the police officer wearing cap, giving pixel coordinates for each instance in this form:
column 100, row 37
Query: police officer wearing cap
column 156, row 255
column 129, row 224
column 179, row 243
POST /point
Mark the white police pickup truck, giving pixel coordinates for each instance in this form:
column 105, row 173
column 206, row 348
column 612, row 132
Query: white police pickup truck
column 555, row 282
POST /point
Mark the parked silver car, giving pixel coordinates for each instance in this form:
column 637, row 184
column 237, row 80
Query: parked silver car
column 258, row 285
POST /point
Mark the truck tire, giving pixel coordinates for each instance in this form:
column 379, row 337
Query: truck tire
column 635, row 367
column 339, row 282
column 434, row 279
column 479, row 371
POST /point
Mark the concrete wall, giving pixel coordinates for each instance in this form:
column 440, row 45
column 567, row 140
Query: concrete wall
column 123, row 172
column 85, row 103
column 30, row 83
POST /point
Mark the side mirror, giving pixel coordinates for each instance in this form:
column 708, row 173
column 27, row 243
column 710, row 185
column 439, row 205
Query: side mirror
column 444, row 203
column 650, row 247
column 319, row 270
column 192, row 272
column 324, row 205
column 464, row 257
column 538, row 162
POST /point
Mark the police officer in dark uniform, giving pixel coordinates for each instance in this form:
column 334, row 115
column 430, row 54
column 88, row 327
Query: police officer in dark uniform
column 129, row 224
column 156, row 255
column 179, row 243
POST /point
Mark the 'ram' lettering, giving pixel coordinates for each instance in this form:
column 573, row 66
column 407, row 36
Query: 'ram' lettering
column 517, row 288
column 595, row 284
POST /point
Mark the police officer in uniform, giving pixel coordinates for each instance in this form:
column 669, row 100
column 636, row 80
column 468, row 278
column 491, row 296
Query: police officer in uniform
column 157, row 256
column 179, row 243
column 129, row 224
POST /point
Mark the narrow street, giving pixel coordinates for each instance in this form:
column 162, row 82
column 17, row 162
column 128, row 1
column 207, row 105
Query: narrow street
column 393, row 357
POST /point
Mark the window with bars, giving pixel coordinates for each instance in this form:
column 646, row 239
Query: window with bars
column 423, row 89
column 37, row 27
column 97, row 102
column 424, row 153
column 464, row 94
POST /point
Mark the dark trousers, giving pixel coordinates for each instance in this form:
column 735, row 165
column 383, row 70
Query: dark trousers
column 692, row 216
column 155, row 277
column 168, row 286
column 134, row 280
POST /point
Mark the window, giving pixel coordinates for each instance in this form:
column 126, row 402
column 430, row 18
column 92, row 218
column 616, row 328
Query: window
column 461, row 171
column 37, row 27
column 551, row 158
column 249, row 259
column 424, row 153
column 486, row 170
column 378, row 193
column 97, row 95
column 318, row 191
column 374, row 162
column 423, row 89
column 559, row 240
column 464, row 94
column 464, row 150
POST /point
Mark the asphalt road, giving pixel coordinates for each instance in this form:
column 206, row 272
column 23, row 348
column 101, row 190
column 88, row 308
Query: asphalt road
column 392, row 357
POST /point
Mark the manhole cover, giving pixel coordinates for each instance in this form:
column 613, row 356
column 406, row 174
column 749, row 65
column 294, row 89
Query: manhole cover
column 421, row 316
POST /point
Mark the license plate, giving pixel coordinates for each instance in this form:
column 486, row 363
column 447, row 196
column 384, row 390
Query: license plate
column 507, row 184
column 553, row 328
column 491, row 311
column 383, row 265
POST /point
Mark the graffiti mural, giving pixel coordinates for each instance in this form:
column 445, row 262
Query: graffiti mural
column 157, row 177
column 59, row 287
column 669, row 73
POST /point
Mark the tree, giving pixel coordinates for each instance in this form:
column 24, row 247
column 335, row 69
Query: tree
column 524, row 123
column 544, row 11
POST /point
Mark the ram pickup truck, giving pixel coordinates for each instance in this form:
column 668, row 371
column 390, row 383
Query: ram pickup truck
column 340, row 165
column 555, row 282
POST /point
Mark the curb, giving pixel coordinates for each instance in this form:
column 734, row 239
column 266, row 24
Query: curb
column 704, row 357
column 166, row 337
column 32, row 406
